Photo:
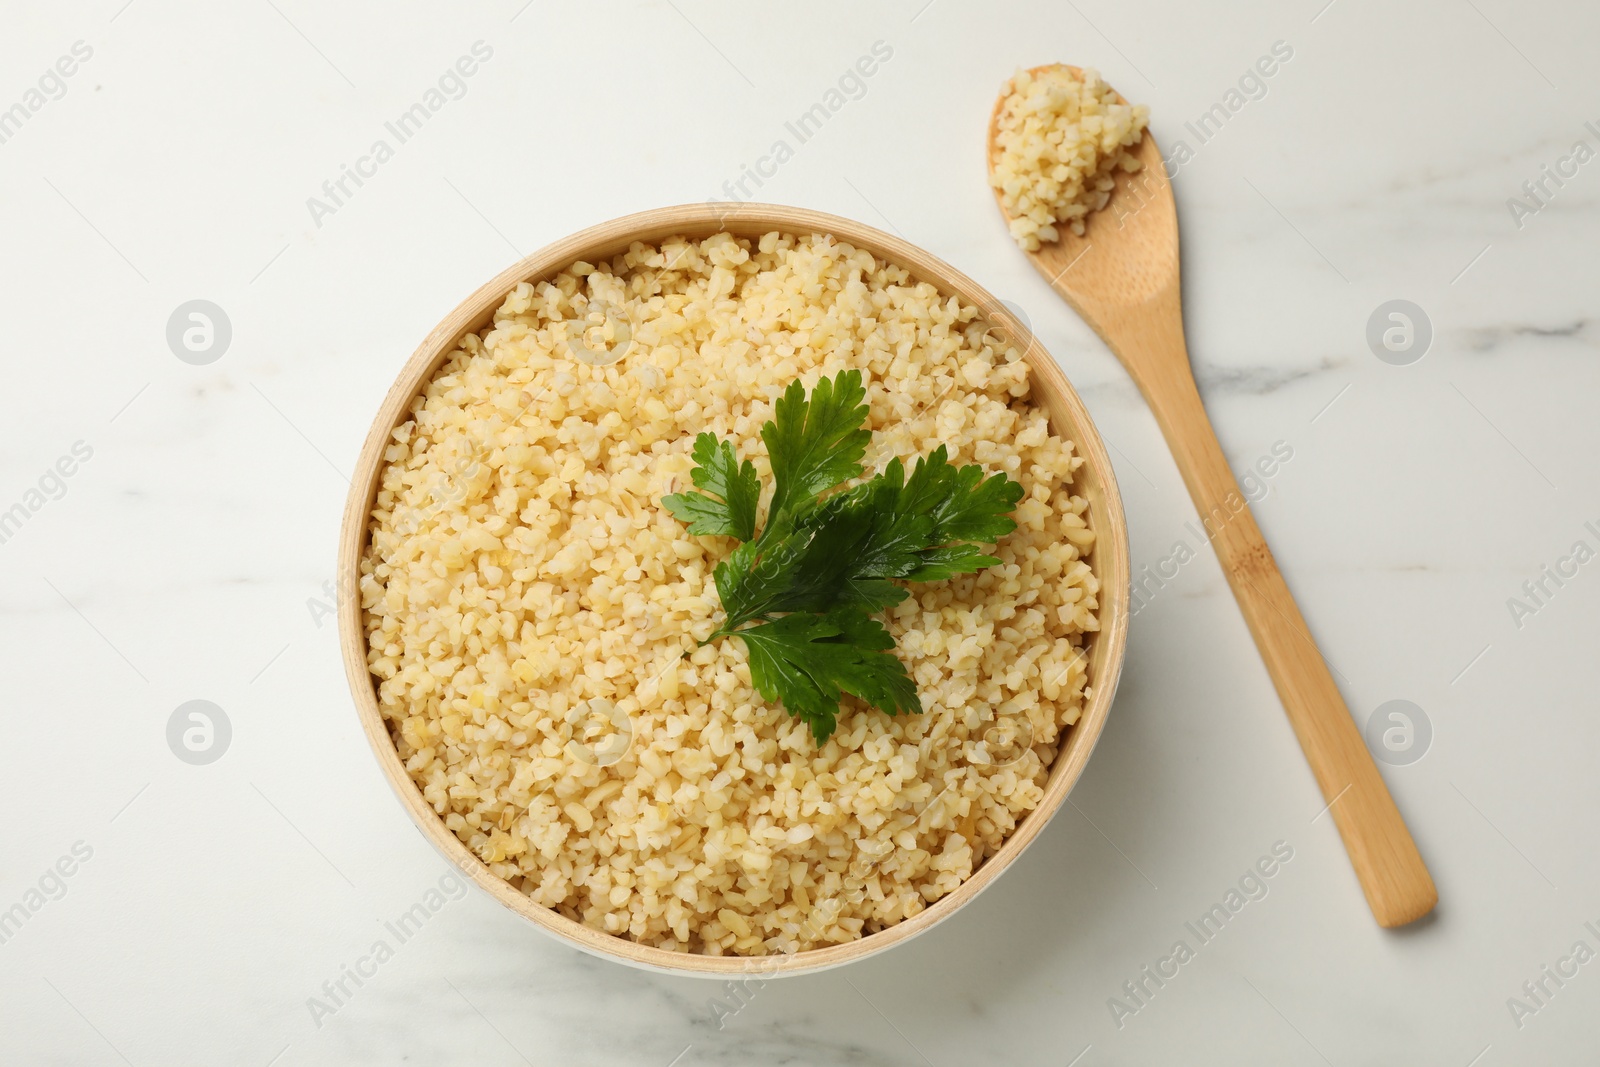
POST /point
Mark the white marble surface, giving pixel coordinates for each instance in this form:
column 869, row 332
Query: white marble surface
column 185, row 556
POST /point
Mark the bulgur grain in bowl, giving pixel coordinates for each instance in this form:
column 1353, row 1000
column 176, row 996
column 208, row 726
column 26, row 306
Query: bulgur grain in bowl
column 522, row 619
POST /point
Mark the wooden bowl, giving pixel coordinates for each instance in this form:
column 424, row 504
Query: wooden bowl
column 1068, row 418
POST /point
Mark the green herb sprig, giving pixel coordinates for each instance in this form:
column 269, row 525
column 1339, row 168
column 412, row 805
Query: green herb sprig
column 801, row 593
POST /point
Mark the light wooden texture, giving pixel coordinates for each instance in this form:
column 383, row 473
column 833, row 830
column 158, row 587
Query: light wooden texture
column 1121, row 276
column 1068, row 417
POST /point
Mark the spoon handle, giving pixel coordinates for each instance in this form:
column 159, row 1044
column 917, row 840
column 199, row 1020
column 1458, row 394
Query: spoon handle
column 1398, row 887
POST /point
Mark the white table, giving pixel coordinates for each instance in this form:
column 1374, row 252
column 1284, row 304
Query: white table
column 185, row 557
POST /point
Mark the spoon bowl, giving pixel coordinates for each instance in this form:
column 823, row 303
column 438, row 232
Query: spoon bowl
column 1129, row 248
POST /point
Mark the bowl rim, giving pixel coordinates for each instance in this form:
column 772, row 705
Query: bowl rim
column 749, row 219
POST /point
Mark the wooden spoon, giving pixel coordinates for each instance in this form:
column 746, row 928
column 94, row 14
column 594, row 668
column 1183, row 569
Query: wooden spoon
column 1121, row 276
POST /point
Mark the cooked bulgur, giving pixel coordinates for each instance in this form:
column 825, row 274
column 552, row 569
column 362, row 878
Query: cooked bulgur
column 1062, row 140
column 527, row 601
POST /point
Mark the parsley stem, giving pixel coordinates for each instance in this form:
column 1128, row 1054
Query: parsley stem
column 728, row 628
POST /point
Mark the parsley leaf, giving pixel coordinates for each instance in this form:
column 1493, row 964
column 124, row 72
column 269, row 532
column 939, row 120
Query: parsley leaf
column 719, row 474
column 801, row 592
column 907, row 525
column 806, row 569
column 815, row 443
column 808, row 661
